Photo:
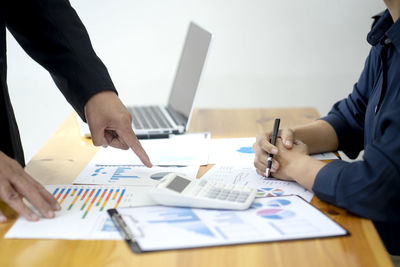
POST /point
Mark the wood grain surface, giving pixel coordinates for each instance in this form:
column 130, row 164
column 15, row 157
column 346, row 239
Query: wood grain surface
column 66, row 153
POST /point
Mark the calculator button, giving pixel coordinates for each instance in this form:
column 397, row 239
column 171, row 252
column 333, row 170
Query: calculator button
column 212, row 183
column 234, row 193
column 222, row 196
column 202, row 182
column 225, row 192
column 211, row 195
column 215, row 191
column 207, row 188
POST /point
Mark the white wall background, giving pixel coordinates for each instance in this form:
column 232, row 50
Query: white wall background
column 264, row 53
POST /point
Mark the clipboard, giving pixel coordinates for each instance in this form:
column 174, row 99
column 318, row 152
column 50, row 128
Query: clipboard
column 124, row 230
column 270, row 219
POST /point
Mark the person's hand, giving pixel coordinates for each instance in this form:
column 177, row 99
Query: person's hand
column 262, row 147
column 16, row 184
column 110, row 124
column 287, row 159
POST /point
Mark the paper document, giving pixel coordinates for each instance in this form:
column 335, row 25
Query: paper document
column 239, row 152
column 248, row 176
column 324, row 156
column 232, row 151
column 129, row 174
column 83, row 214
column 268, row 219
column 187, row 149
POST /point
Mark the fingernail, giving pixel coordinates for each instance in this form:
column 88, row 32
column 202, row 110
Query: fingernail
column 34, row 217
column 274, row 150
column 288, row 142
column 3, row 219
column 148, row 163
column 50, row 214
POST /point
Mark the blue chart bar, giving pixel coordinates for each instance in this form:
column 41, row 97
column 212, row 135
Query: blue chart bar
column 120, row 173
column 55, row 192
column 183, row 218
column 176, row 215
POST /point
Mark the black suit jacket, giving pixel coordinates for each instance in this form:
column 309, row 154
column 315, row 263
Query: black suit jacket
column 51, row 33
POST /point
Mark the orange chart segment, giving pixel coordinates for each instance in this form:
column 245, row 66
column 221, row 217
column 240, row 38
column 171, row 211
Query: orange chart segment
column 88, row 199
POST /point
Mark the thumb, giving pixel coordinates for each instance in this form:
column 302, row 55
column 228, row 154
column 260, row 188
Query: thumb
column 287, row 136
column 98, row 136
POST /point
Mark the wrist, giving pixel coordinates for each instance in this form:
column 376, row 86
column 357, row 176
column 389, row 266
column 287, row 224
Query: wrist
column 295, row 164
column 304, row 169
column 100, row 100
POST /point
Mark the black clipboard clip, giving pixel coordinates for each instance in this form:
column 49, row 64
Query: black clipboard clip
column 124, row 230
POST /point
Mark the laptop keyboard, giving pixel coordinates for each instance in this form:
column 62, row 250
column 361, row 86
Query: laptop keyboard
column 149, row 117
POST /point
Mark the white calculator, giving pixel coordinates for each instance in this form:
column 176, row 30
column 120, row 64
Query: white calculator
column 180, row 190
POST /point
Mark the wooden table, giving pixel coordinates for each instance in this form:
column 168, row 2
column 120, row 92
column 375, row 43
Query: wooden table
column 65, row 154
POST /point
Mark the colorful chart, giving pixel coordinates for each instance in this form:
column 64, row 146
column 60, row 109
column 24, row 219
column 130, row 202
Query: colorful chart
column 278, row 203
column 246, row 150
column 255, row 205
column 183, row 218
column 270, row 192
column 126, row 175
column 88, row 199
column 122, row 173
column 116, row 174
column 99, row 171
column 108, row 226
column 277, row 212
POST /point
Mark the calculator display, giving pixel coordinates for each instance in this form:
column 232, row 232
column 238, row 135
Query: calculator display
column 178, row 184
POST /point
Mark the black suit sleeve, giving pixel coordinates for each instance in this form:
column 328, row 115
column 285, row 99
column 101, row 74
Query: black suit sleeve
column 51, row 32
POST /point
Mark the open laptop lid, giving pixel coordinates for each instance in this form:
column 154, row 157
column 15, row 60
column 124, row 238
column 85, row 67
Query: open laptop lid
column 189, row 71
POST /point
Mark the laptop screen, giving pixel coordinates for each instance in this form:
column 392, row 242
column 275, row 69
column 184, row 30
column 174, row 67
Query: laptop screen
column 189, row 70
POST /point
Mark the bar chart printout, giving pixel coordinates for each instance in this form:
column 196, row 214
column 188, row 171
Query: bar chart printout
column 89, row 199
column 83, row 212
column 129, row 174
column 268, row 219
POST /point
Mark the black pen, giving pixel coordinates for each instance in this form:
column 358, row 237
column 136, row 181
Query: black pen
column 273, row 141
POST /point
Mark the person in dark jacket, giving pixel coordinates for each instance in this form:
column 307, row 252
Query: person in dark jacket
column 368, row 119
column 51, row 32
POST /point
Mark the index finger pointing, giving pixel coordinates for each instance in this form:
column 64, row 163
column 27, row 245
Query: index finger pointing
column 131, row 140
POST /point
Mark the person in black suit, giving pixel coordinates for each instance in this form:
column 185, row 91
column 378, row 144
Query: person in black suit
column 51, row 32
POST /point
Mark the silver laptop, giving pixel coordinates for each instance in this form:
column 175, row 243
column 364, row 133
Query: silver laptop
column 160, row 121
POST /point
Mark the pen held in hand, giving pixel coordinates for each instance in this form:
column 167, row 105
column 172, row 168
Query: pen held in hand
column 273, row 141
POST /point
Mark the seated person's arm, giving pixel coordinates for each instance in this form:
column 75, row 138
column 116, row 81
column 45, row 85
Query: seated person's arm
column 318, row 135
